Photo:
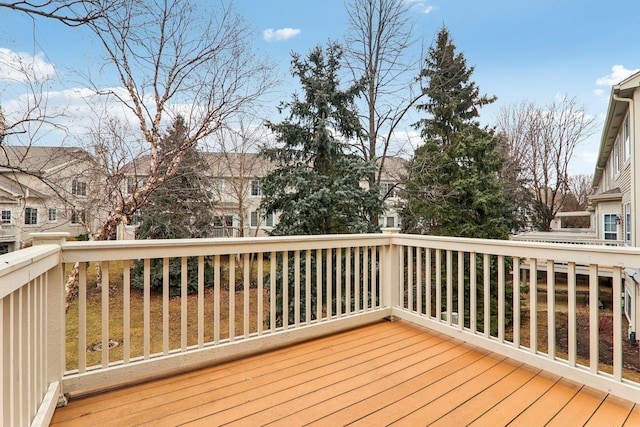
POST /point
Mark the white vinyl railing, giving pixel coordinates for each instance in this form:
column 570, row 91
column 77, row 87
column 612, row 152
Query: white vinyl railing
column 168, row 306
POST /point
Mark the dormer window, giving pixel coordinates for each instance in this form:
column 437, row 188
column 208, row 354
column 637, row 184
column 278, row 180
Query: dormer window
column 78, row 188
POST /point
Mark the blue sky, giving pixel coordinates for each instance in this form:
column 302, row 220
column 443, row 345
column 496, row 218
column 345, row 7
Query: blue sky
column 522, row 50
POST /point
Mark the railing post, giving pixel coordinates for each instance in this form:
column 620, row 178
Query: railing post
column 55, row 307
column 390, row 272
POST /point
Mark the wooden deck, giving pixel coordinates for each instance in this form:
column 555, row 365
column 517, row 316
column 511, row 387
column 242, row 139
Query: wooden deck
column 386, row 373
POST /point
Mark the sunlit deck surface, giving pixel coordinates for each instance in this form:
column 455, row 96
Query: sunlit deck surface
column 386, row 373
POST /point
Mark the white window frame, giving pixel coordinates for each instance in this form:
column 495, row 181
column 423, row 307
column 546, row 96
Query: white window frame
column 254, row 219
column 30, row 216
column 79, row 188
column 256, row 187
column 606, row 226
column 5, row 216
column 616, row 157
column 52, row 214
column 627, row 223
column 77, row 216
column 628, row 304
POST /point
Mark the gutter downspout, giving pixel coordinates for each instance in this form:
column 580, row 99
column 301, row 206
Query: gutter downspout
column 634, row 195
column 634, row 204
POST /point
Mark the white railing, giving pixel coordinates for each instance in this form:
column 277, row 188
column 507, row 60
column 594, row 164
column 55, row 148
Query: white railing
column 479, row 291
column 238, row 296
column 574, row 238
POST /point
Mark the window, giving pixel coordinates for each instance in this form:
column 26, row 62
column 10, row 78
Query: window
column 78, row 217
column 256, row 188
column 610, row 227
column 52, row 214
column 30, row 216
column 626, row 138
column 5, row 218
column 627, row 304
column 389, row 189
column 253, row 221
column 131, row 185
column 223, row 221
column 78, row 188
column 4, row 248
column 627, row 223
column 269, row 220
column 391, row 221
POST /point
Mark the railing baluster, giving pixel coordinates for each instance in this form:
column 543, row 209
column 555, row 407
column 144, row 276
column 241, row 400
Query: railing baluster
column 126, row 307
column 216, row 299
column 273, row 262
column 486, row 268
column 285, row 290
column 516, row 302
column 260, row 308
column 419, row 280
column 329, row 284
column 232, row 297
column 461, row 294
column 473, row 292
column 571, row 289
column 533, row 306
column 184, row 299
column 427, row 276
column 594, row 333
column 617, row 324
column 296, row 297
column 146, row 310
column 449, row 299
column 374, row 277
column 246, row 281
column 365, row 278
column 357, row 285
column 409, row 264
column 551, row 309
column 438, row 284
column 165, row 306
column 347, row 280
column 339, row 282
column 307, row 287
column 319, row 285
column 82, row 317
column 105, row 313
column 200, row 301
column 501, row 298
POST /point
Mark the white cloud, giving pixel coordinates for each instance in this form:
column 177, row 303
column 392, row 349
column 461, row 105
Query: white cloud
column 599, row 92
column 422, row 6
column 427, row 10
column 281, row 34
column 618, row 73
column 20, row 67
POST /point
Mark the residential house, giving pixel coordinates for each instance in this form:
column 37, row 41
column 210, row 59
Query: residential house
column 43, row 189
column 237, row 193
column 615, row 202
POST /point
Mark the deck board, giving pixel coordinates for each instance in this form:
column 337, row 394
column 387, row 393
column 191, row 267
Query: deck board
column 386, row 373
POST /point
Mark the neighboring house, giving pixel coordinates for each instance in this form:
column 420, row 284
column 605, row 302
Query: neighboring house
column 616, row 180
column 43, row 189
column 237, row 193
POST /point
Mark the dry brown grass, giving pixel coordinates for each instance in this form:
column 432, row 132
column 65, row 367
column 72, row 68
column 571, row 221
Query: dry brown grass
column 116, row 316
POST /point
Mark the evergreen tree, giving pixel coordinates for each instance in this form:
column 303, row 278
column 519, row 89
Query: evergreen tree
column 181, row 207
column 453, row 186
column 178, row 209
column 316, row 184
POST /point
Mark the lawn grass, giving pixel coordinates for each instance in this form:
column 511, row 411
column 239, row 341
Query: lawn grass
column 116, row 316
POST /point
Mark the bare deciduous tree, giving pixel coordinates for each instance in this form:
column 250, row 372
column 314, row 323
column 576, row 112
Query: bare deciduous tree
column 69, row 12
column 542, row 141
column 236, row 165
column 380, row 35
column 173, row 58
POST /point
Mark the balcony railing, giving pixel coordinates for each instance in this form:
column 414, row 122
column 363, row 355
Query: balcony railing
column 254, row 294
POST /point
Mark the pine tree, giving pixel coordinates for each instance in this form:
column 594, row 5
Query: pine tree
column 316, row 185
column 178, row 209
column 453, row 186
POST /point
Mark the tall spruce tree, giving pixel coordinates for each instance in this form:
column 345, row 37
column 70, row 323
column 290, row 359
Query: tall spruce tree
column 316, row 185
column 453, row 186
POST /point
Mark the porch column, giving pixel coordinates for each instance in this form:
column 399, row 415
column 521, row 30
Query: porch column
column 391, row 271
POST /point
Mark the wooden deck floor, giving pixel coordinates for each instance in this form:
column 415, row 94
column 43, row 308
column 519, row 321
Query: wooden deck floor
column 382, row 374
